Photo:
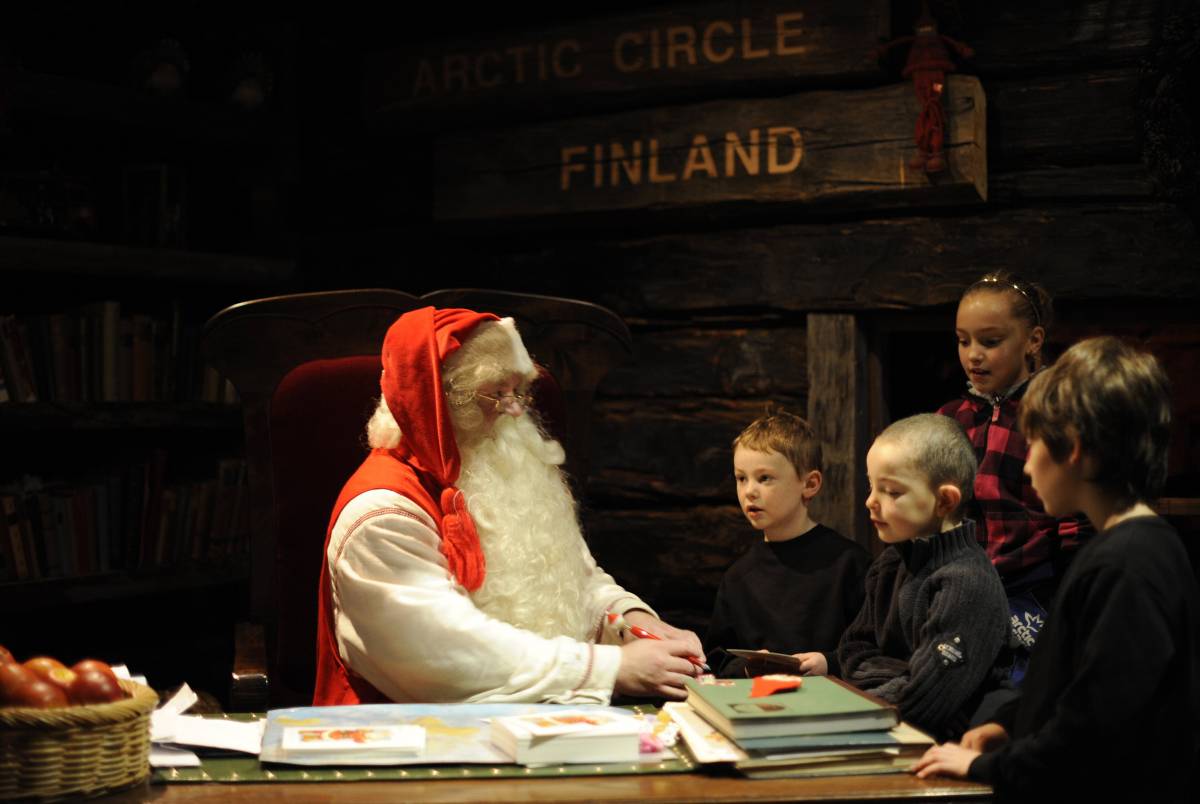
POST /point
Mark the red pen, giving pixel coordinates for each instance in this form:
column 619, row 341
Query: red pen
column 620, row 622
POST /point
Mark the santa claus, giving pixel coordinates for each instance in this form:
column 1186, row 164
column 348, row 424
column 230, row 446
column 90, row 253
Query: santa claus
column 454, row 567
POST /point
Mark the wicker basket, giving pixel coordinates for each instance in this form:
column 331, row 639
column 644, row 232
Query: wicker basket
column 76, row 750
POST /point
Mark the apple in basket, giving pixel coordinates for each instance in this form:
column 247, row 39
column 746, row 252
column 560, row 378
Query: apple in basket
column 46, row 682
column 20, row 686
column 95, row 682
column 13, row 675
column 95, row 686
column 52, row 671
column 37, row 693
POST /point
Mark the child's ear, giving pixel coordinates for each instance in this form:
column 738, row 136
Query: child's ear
column 1084, row 463
column 1037, row 339
column 948, row 498
column 811, row 484
column 1075, row 456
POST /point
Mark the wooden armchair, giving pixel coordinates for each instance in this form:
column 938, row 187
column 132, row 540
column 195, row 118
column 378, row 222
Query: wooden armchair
column 306, row 367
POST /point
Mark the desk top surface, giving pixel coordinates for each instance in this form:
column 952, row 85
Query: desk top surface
column 687, row 787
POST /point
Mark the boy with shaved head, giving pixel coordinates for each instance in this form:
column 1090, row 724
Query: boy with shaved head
column 935, row 617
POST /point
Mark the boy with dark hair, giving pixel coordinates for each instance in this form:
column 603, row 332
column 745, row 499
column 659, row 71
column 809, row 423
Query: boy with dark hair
column 798, row 588
column 935, row 619
column 1110, row 705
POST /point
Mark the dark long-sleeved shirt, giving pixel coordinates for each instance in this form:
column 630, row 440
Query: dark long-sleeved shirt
column 1110, row 707
column 789, row 597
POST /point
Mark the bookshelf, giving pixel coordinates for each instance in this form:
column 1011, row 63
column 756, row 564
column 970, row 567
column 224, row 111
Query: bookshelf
column 127, row 218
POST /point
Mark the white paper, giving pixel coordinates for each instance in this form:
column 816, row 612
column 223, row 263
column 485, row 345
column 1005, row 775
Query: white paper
column 707, row 744
column 162, row 756
column 162, row 719
column 122, row 671
column 231, row 735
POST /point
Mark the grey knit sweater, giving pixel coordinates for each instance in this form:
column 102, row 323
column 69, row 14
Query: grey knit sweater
column 933, row 625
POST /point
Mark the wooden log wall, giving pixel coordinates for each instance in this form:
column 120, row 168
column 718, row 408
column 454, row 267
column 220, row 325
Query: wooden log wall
column 727, row 307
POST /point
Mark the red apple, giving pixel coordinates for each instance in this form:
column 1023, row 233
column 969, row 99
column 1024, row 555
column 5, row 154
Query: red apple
column 83, row 665
column 49, row 669
column 40, row 664
column 37, row 693
column 5, row 656
column 60, row 677
column 12, row 676
column 95, row 686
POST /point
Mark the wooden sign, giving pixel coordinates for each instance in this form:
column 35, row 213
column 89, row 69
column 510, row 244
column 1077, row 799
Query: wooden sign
column 688, row 51
column 845, row 150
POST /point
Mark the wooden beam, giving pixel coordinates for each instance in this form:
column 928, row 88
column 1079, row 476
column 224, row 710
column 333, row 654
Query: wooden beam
column 1073, row 119
column 733, row 363
column 1030, row 37
column 837, row 411
column 669, row 452
column 1087, row 252
column 681, row 554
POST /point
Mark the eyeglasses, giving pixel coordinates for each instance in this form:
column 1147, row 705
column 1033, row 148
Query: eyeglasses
column 524, row 400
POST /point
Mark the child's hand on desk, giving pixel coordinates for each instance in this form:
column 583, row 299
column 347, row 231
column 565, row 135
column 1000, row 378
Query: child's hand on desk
column 987, row 737
column 947, row 759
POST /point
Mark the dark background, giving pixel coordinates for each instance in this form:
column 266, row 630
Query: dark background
column 1093, row 163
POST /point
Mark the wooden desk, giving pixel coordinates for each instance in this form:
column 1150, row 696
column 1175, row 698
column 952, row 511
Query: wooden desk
column 682, row 787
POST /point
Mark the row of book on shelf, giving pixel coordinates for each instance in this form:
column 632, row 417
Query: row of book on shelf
column 131, row 519
column 98, row 353
column 774, row 726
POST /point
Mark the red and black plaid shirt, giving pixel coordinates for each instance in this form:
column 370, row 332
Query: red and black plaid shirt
column 1012, row 526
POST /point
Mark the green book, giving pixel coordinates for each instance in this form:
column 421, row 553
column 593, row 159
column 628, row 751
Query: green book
column 821, row 705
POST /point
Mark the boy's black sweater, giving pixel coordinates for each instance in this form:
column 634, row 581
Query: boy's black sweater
column 1110, row 706
column 788, row 597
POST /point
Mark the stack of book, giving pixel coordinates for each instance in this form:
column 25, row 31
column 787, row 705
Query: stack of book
column 824, row 727
column 579, row 735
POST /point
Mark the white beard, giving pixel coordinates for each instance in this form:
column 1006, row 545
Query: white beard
column 537, row 561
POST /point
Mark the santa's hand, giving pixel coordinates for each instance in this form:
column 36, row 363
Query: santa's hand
column 655, row 668
column 644, row 619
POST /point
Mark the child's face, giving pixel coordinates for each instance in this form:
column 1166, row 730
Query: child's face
column 902, row 503
column 770, row 492
column 1055, row 483
column 993, row 344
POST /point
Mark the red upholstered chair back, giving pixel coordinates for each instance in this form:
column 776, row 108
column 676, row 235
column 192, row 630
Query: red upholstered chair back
column 317, row 417
column 307, row 370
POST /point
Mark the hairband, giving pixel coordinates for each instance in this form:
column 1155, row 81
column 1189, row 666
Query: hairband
column 1012, row 283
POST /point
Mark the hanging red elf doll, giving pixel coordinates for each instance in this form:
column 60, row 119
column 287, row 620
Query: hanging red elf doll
column 927, row 65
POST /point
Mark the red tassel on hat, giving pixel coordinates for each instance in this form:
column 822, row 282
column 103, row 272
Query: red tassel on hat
column 460, row 540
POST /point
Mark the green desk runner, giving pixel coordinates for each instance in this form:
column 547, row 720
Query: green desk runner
column 249, row 769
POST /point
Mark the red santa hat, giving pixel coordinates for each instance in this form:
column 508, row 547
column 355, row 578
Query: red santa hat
column 414, row 350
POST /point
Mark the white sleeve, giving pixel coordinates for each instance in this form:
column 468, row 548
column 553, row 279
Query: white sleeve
column 603, row 595
column 405, row 625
